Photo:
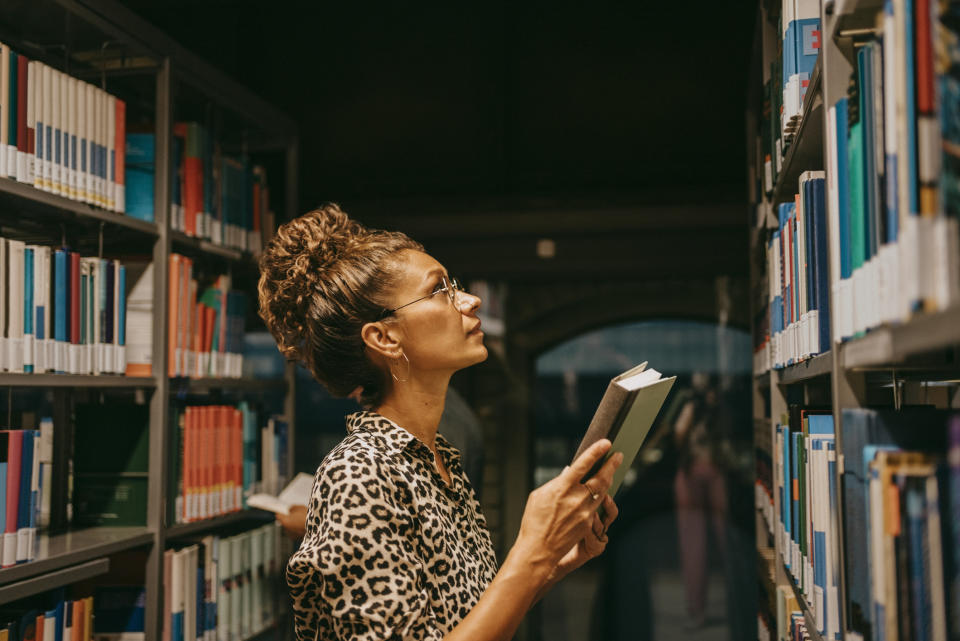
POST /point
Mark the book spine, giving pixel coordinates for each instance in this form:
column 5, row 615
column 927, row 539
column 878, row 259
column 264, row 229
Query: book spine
column 14, row 471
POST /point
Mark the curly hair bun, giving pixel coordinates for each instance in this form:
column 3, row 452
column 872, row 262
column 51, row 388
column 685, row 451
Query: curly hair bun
column 322, row 276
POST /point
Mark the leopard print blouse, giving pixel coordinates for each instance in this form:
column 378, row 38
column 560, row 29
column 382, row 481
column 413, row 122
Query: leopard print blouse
column 391, row 552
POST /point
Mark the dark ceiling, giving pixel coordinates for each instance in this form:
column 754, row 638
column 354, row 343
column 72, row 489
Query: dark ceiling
column 509, row 112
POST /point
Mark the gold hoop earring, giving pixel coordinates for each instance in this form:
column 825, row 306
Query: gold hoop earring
column 407, row 377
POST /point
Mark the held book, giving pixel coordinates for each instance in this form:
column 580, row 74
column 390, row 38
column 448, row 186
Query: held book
column 625, row 415
column 297, row 492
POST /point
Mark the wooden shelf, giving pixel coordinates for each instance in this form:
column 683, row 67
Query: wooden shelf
column 51, row 580
column 197, row 246
column 59, row 551
column 819, row 365
column 806, row 151
column 853, row 15
column 892, row 344
column 74, row 380
column 202, row 385
column 198, row 527
column 21, row 199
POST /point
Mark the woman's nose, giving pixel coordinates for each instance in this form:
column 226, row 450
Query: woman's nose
column 467, row 302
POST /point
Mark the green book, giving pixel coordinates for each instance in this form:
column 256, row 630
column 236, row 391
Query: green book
column 857, row 187
column 625, row 415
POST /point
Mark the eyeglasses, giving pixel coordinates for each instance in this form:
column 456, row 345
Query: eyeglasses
column 450, row 287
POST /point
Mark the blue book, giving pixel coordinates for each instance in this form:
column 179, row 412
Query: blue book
column 28, row 310
column 60, row 305
column 910, row 103
column 865, row 81
column 843, row 189
column 58, row 618
column 108, row 328
column 38, row 171
column 914, row 491
column 139, row 175
column 862, row 428
column 821, row 257
column 25, row 511
column 11, row 100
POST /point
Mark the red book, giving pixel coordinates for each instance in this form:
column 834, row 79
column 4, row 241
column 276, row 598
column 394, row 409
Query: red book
column 120, row 142
column 925, row 81
column 14, row 458
column 193, row 177
column 22, row 144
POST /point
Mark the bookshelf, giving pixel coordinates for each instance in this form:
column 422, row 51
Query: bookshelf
column 885, row 366
column 102, row 42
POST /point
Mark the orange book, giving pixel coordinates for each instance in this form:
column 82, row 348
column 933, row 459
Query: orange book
column 237, row 458
column 172, row 298
column 79, row 620
column 188, row 449
column 183, row 313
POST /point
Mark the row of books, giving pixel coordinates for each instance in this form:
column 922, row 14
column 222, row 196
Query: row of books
column 63, row 313
column 894, row 160
column 217, row 197
column 220, row 456
column 797, row 266
column 60, row 134
column 67, row 620
column 206, row 323
column 805, row 497
column 790, row 624
column 792, row 59
column 26, row 457
column 902, row 539
column 222, row 589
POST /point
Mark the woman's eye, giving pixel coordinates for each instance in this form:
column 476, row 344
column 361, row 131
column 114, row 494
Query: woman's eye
column 438, row 288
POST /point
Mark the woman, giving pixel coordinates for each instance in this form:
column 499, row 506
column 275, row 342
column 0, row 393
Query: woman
column 395, row 544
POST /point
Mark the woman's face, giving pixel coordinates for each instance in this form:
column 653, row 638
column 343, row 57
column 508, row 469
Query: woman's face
column 435, row 334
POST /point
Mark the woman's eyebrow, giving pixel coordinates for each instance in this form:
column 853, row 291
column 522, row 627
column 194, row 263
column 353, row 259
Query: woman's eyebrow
column 433, row 273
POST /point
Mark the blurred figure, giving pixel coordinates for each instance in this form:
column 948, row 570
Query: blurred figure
column 700, row 491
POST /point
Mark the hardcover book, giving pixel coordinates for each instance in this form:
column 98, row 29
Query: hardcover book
column 625, row 415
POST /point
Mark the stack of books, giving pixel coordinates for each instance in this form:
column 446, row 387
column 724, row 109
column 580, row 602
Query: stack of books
column 804, row 476
column 67, row 619
column 222, row 588
column 206, row 326
column 217, row 197
column 902, row 538
column 220, row 456
column 786, row 84
column 25, row 459
column 893, row 145
column 60, row 134
column 797, row 265
column 60, row 312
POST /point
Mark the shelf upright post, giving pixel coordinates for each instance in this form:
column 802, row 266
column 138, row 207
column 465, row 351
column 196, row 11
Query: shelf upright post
column 159, row 404
column 836, row 70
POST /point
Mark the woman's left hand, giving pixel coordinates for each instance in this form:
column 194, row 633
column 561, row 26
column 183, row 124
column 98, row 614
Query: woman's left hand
column 592, row 545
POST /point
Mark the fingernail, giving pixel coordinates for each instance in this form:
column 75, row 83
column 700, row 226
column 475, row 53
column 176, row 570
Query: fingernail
column 618, row 457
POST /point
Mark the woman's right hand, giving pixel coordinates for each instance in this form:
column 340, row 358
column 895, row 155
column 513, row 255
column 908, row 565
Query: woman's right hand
column 561, row 512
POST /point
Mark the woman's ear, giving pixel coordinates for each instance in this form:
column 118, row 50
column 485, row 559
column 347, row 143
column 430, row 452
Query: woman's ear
column 382, row 339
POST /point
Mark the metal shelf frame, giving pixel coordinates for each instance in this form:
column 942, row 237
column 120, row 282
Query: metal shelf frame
column 819, row 365
column 80, row 554
column 182, row 530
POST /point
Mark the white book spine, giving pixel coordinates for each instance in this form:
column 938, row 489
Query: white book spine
column 15, row 302
column 64, row 135
column 72, row 126
column 48, row 130
column 56, row 161
column 91, row 133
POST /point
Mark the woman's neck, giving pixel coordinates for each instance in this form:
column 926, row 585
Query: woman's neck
column 415, row 408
